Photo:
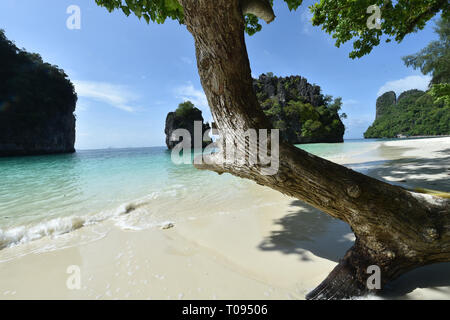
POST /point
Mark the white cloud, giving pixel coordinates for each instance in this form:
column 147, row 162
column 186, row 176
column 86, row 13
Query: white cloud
column 186, row 60
column 350, row 102
column 407, row 83
column 82, row 106
column 359, row 121
column 356, row 125
column 197, row 97
column 305, row 18
column 117, row 96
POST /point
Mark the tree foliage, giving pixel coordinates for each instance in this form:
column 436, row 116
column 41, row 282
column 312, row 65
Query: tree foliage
column 435, row 58
column 347, row 19
column 159, row 10
column 151, row 10
column 441, row 93
column 187, row 110
column 343, row 19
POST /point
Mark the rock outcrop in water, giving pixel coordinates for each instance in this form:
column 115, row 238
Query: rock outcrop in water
column 37, row 102
column 184, row 118
column 301, row 112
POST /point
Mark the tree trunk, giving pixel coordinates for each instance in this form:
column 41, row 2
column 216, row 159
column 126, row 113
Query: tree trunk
column 395, row 229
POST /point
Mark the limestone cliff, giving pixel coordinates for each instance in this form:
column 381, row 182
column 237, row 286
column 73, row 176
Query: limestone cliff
column 299, row 109
column 37, row 102
column 384, row 102
column 413, row 113
column 184, row 118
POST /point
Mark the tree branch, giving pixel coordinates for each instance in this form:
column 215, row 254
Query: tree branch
column 395, row 229
column 260, row 8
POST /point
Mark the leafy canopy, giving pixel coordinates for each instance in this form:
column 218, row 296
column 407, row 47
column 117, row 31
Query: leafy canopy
column 185, row 109
column 343, row 19
column 159, row 10
column 435, row 58
column 347, row 19
column 151, row 10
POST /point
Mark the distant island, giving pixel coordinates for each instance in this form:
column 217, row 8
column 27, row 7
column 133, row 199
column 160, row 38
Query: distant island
column 37, row 102
column 183, row 118
column 413, row 113
column 301, row 112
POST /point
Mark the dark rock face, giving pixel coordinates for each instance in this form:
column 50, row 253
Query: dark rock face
column 288, row 88
column 176, row 120
column 299, row 109
column 37, row 102
column 384, row 102
column 52, row 135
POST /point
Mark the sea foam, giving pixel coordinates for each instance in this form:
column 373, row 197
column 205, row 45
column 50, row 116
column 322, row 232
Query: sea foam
column 62, row 225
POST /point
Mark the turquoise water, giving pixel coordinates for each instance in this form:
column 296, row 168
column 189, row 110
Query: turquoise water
column 50, row 195
column 327, row 150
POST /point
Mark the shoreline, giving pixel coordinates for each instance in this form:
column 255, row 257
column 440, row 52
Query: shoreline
column 220, row 255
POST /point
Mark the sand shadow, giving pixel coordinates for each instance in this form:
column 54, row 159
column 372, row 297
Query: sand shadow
column 307, row 229
column 430, row 173
column 434, row 277
column 411, row 173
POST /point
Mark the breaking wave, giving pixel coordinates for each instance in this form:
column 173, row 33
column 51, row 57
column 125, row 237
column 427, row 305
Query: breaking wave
column 58, row 226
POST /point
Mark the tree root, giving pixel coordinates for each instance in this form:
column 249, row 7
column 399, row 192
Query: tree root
column 347, row 280
column 340, row 284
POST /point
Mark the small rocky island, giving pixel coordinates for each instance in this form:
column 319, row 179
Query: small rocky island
column 413, row 113
column 184, row 118
column 299, row 109
column 37, row 102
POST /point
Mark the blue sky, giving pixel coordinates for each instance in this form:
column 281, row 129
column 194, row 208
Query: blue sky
column 129, row 75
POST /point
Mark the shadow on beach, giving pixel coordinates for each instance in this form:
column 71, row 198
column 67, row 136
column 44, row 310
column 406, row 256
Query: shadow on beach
column 429, row 173
column 308, row 229
column 434, row 277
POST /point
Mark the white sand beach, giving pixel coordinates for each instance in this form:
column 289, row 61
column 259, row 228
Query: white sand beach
column 278, row 248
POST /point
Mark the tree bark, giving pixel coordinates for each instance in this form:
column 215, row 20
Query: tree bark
column 395, row 229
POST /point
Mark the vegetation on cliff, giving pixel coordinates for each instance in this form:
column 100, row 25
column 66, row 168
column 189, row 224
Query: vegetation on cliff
column 414, row 113
column 298, row 109
column 183, row 118
column 418, row 113
column 37, row 102
column 301, row 112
